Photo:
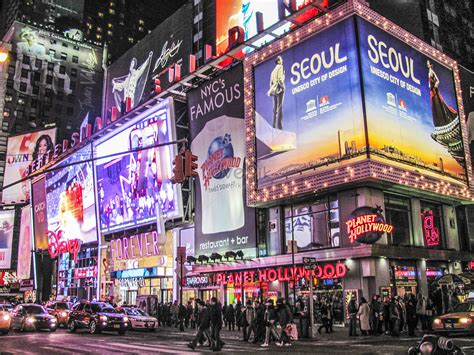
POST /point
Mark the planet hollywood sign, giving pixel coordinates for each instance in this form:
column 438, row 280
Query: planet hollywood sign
column 367, row 225
column 283, row 273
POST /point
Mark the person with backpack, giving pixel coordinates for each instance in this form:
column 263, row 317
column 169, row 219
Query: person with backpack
column 203, row 326
column 270, row 320
column 230, row 317
column 285, row 317
column 215, row 310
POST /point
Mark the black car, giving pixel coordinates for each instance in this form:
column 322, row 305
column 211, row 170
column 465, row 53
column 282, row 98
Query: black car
column 97, row 317
column 32, row 317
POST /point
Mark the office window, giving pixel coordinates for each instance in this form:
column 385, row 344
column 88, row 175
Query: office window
column 37, row 76
column 61, row 83
column 64, row 44
column 26, row 59
column 23, row 87
column 70, row 111
column 75, row 59
column 398, row 214
column 52, row 53
column 62, row 69
column 63, row 56
column 70, row 99
column 60, row 96
column 72, row 85
column 9, row 83
column 51, row 66
column 11, row 70
column 76, row 47
column 35, row 90
column 49, row 79
column 24, row 73
column 38, row 63
column 73, row 72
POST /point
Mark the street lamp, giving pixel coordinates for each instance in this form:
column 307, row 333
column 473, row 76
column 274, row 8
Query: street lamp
column 3, row 56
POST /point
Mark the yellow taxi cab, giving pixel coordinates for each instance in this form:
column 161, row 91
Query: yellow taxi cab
column 461, row 320
column 5, row 320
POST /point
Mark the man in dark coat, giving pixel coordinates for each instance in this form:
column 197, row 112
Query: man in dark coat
column 285, row 317
column 216, row 324
column 230, row 317
column 259, row 322
column 352, row 309
column 204, row 324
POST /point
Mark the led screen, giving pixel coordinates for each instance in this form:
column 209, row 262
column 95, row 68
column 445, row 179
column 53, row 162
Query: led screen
column 134, row 187
column 7, row 219
column 308, row 106
column 70, row 198
column 24, row 245
column 411, row 105
column 21, row 151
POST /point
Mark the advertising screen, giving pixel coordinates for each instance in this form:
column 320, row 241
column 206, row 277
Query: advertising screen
column 70, row 199
column 134, row 187
column 7, row 220
column 410, row 99
column 308, row 106
column 131, row 75
column 223, row 221
column 24, row 245
column 40, row 221
column 467, row 85
column 21, row 151
column 243, row 14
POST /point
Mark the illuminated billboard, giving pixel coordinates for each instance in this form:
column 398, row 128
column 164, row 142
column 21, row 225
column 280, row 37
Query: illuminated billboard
column 70, row 199
column 21, row 151
column 308, row 107
column 133, row 188
column 223, row 220
column 131, row 75
column 7, row 220
column 411, row 107
column 23, row 269
column 238, row 19
column 467, row 85
column 40, row 220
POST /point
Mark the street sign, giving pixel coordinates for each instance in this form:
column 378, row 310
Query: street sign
column 308, row 260
column 311, row 266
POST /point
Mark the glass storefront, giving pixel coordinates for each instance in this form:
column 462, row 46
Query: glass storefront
column 398, row 213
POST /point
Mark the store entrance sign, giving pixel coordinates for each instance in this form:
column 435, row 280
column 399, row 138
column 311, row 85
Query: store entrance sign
column 430, row 231
column 367, row 225
column 135, row 246
column 58, row 246
column 282, row 274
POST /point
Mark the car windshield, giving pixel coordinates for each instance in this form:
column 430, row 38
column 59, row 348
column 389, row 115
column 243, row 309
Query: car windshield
column 135, row 312
column 464, row 307
column 62, row 306
column 34, row 310
column 108, row 310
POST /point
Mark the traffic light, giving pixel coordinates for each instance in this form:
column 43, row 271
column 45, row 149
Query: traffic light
column 178, row 167
column 190, row 164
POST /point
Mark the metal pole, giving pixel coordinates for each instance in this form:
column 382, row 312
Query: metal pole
column 293, row 254
column 311, row 305
column 181, row 280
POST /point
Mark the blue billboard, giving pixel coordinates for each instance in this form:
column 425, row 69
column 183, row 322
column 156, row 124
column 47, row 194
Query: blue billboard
column 411, row 108
column 308, row 106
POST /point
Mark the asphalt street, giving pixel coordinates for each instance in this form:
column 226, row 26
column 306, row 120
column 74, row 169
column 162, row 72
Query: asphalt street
column 172, row 341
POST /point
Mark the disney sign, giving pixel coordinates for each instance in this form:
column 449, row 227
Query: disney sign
column 58, row 246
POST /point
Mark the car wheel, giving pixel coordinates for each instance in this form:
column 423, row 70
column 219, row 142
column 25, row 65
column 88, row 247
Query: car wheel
column 52, row 330
column 71, row 326
column 122, row 332
column 93, row 328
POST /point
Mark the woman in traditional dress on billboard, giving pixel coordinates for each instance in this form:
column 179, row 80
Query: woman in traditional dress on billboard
column 445, row 119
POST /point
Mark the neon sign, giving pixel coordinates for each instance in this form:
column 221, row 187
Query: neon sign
column 367, row 225
column 135, row 246
column 56, row 246
column 430, row 231
column 282, row 274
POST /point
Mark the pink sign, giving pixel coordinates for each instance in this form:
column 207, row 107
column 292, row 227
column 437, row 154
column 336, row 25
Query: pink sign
column 135, row 246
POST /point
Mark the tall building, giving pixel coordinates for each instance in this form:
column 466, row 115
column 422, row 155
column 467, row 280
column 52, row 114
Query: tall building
column 446, row 25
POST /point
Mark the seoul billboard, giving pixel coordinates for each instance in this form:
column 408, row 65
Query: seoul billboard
column 131, row 75
column 21, row 151
column 308, row 107
column 411, row 108
column 239, row 19
column 7, row 221
column 135, row 187
column 70, row 198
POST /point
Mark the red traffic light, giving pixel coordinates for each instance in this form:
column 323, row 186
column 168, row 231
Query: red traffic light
column 190, row 164
column 178, row 169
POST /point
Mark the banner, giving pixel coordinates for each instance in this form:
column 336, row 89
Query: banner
column 411, row 106
column 131, row 75
column 21, row 151
column 70, row 198
column 40, row 220
column 467, row 86
column 223, row 221
column 7, row 220
column 308, row 108
column 24, row 245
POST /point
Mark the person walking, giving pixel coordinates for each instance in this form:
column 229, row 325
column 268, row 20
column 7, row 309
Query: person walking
column 181, row 316
column 248, row 320
column 324, row 317
column 285, row 317
column 394, row 317
column 216, row 324
column 203, row 327
column 421, row 310
column 224, row 312
column 411, row 314
column 189, row 314
column 375, row 308
column 352, row 309
column 230, row 317
column 259, row 322
column 269, row 321
column 363, row 313
column 238, row 312
column 386, row 315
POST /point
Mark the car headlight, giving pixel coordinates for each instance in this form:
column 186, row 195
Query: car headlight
column 53, row 320
column 103, row 318
column 30, row 320
column 6, row 317
column 63, row 314
column 125, row 319
column 465, row 320
column 437, row 321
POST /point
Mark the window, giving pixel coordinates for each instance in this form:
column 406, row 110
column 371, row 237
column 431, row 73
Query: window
column 99, row 29
column 9, row 83
column 52, row 53
column 26, row 59
column 5, row 126
column 75, row 59
column 70, row 111
column 432, row 224
column 141, row 22
column 11, row 70
column 58, row 109
column 63, row 56
column 38, row 63
column 72, row 85
column 23, row 87
column 398, row 214
column 49, row 79
column 70, row 99
column 313, row 226
column 35, row 90
column 24, row 73
column 6, row 112
column 101, row 14
column 98, row 36
column 50, row 66
column 76, row 47
column 60, row 96
column 62, row 69
column 37, row 76
column 73, row 72
column 61, row 83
